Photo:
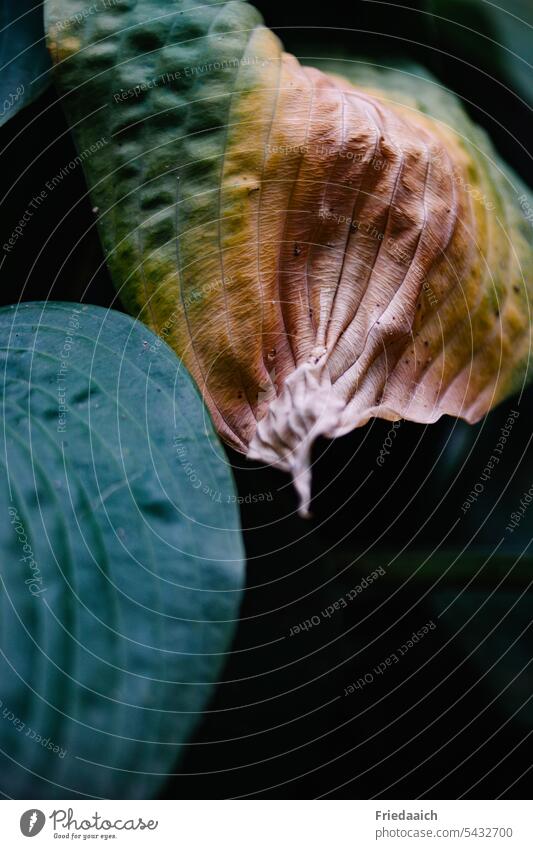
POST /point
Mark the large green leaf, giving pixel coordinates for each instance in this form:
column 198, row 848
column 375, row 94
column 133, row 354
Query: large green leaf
column 24, row 59
column 121, row 555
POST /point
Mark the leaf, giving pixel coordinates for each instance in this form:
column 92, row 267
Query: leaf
column 492, row 37
column 336, row 245
column 24, row 59
column 122, row 558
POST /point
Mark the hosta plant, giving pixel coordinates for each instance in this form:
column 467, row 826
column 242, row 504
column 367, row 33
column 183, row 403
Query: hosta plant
column 321, row 245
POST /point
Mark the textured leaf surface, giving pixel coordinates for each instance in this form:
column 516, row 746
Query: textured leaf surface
column 24, row 59
column 122, row 561
column 318, row 252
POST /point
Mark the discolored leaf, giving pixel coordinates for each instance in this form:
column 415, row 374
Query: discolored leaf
column 320, row 246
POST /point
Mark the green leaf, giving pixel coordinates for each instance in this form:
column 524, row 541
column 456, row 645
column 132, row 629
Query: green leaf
column 151, row 84
column 24, row 59
column 122, row 560
column 495, row 37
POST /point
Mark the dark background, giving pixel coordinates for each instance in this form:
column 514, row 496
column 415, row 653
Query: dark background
column 455, row 715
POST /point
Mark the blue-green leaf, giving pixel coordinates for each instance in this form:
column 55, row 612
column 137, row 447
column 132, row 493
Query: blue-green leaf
column 122, row 563
column 24, row 59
